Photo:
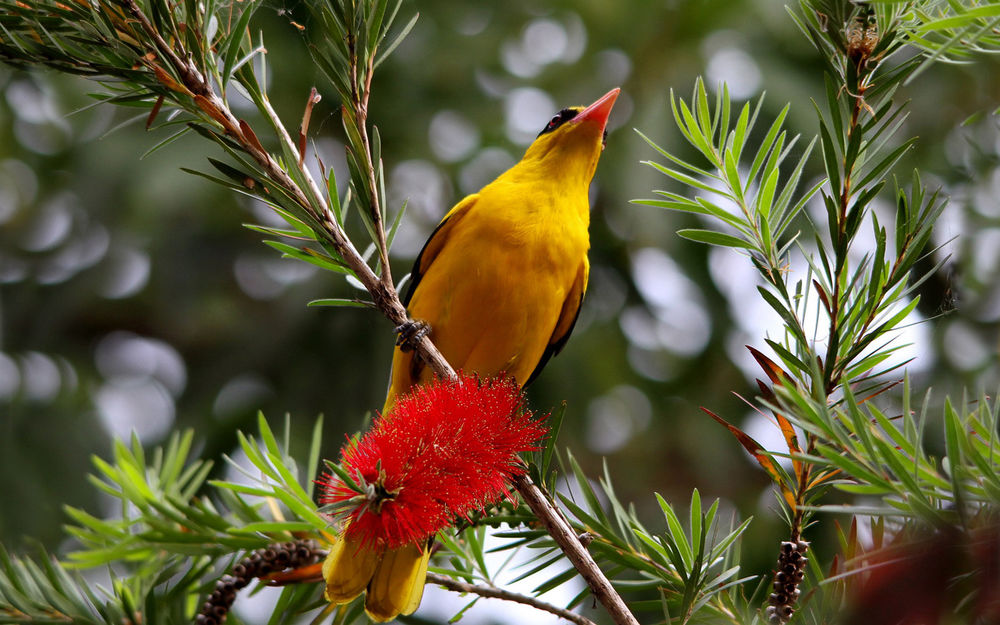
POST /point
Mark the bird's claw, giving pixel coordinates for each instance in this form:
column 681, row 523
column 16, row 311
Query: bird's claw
column 411, row 333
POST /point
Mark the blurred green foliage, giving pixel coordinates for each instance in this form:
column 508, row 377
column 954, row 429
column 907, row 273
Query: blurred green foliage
column 128, row 289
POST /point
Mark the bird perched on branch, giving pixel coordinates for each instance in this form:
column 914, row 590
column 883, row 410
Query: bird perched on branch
column 500, row 281
column 498, row 287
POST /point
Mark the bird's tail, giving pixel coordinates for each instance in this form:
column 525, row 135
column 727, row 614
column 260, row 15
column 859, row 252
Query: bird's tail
column 394, row 578
column 398, row 584
column 390, row 401
column 407, row 371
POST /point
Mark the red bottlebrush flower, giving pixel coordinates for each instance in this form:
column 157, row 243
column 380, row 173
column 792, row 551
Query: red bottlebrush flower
column 445, row 450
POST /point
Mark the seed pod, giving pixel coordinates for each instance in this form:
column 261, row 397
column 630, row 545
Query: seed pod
column 787, row 577
column 259, row 563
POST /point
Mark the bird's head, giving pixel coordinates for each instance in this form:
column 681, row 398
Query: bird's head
column 571, row 142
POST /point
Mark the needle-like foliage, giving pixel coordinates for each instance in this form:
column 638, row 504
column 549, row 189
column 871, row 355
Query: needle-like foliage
column 841, row 304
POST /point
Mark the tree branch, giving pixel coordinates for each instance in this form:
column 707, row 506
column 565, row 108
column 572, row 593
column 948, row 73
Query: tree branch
column 385, row 296
column 562, row 533
column 492, row 592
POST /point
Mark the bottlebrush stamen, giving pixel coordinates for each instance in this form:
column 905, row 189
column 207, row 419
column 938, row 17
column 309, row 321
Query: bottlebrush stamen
column 445, row 450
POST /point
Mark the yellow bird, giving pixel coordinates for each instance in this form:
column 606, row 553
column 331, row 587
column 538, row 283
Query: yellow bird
column 500, row 281
column 498, row 286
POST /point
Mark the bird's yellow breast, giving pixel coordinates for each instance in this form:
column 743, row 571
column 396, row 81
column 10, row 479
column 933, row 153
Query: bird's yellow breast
column 494, row 292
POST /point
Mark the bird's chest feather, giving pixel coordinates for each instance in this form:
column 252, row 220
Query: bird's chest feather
column 512, row 255
column 540, row 238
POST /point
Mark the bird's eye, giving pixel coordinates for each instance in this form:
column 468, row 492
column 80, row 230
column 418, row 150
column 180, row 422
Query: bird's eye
column 558, row 119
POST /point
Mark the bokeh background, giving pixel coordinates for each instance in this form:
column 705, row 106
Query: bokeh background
column 131, row 299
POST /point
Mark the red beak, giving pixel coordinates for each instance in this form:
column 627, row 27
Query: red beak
column 599, row 111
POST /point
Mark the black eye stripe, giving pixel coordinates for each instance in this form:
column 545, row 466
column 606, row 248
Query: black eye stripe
column 559, row 119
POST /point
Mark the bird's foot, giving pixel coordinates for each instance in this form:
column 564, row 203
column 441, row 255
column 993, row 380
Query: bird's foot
column 411, row 333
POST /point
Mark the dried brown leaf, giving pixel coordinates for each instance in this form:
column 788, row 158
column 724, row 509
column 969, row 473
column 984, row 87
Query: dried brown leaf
column 757, row 451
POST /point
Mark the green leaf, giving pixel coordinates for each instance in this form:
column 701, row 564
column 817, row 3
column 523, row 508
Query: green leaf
column 704, row 116
column 740, row 133
column 952, row 425
column 768, row 142
column 241, row 488
column 684, row 178
column 342, row 303
column 962, row 19
column 686, row 165
column 690, row 128
column 695, row 515
column 786, row 194
column 165, row 142
column 555, row 421
column 593, row 503
column 733, row 176
column 315, row 449
column 236, row 37
column 886, row 163
column 278, row 232
column 765, row 196
column 272, row 527
column 678, row 539
column 556, row 581
column 658, row 553
column 554, row 555
column 684, row 205
column 219, row 181
column 712, row 237
column 593, row 521
column 830, row 159
column 310, row 256
column 721, row 547
column 397, row 40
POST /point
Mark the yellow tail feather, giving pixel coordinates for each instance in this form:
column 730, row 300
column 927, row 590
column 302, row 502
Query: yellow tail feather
column 418, row 588
column 348, row 569
column 397, row 585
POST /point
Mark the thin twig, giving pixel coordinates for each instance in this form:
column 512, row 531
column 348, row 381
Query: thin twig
column 562, row 533
column 383, row 294
column 492, row 592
